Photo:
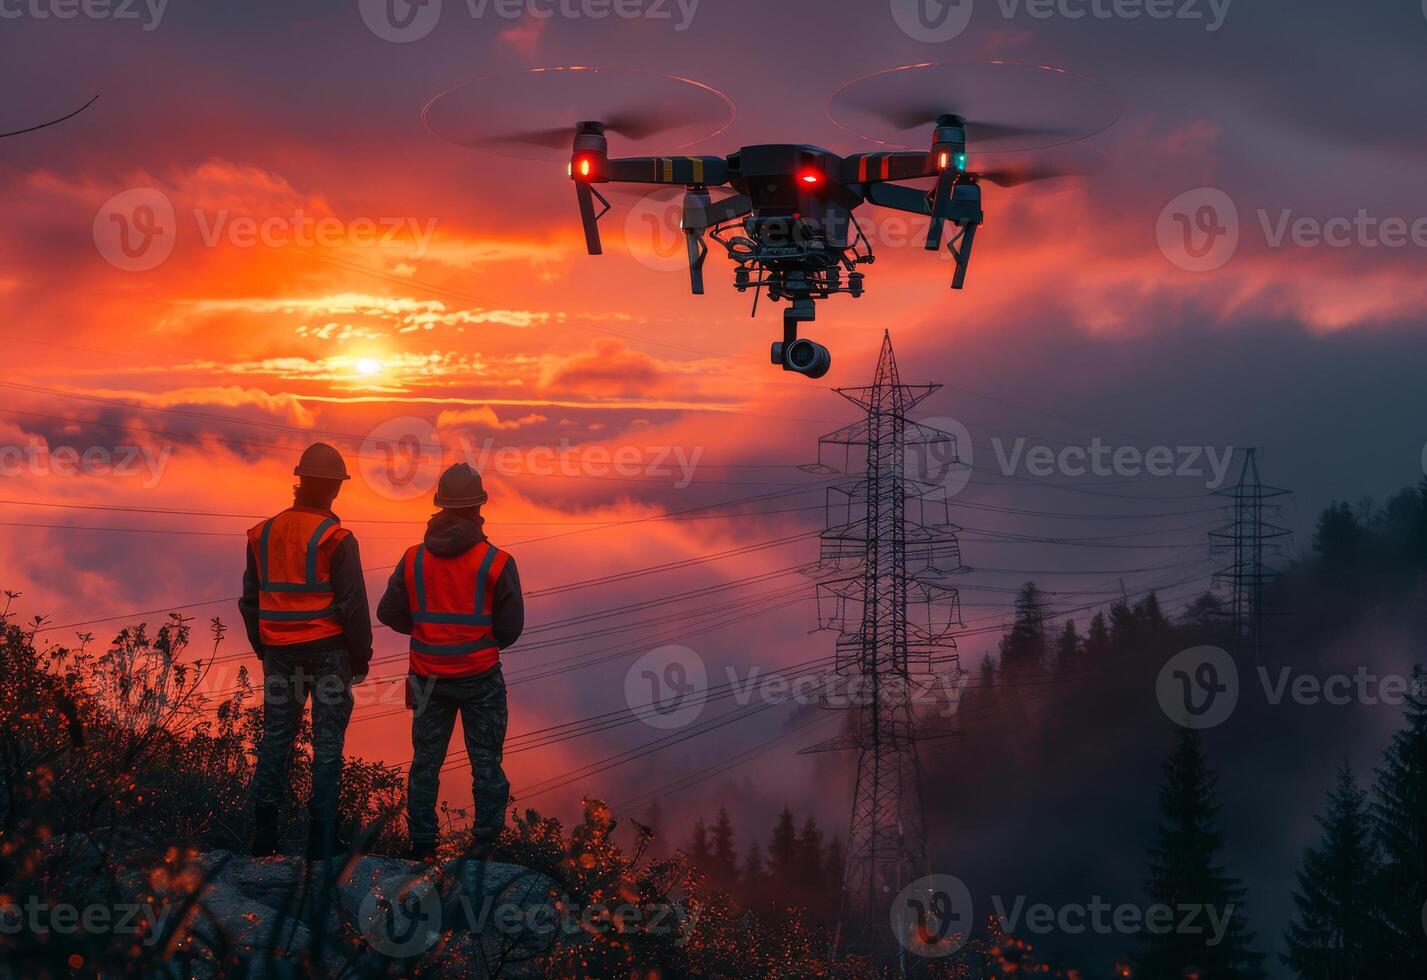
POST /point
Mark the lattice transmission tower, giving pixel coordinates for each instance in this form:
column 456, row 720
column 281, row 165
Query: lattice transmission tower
column 1247, row 546
column 887, row 552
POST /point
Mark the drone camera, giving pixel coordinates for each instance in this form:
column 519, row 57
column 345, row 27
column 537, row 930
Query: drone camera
column 803, row 356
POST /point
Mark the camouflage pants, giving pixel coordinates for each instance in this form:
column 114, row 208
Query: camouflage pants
column 288, row 681
column 481, row 703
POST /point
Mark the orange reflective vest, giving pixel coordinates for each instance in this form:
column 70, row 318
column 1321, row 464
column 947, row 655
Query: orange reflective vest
column 451, row 603
column 293, row 555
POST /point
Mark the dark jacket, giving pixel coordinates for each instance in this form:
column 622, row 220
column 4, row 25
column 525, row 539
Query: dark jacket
column 446, row 537
column 349, row 594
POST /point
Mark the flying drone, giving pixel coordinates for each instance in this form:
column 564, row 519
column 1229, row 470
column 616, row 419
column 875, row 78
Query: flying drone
column 786, row 213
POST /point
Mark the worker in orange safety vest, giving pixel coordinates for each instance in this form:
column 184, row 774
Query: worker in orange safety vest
column 458, row 597
column 305, row 608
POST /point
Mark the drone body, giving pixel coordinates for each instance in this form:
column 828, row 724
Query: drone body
column 790, row 226
column 786, row 213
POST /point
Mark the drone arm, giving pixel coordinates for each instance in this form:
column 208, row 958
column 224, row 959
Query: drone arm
column 899, row 198
column 870, row 168
column 585, row 195
column 710, row 171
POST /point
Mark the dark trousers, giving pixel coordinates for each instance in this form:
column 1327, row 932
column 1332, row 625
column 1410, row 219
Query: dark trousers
column 481, row 702
column 288, row 681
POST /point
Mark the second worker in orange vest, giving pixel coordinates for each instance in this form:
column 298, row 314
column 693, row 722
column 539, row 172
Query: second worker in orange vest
column 458, row 597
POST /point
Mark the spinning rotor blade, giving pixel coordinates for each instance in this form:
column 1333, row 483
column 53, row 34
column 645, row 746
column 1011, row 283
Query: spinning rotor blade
column 1006, row 106
column 924, row 117
column 495, row 114
column 1014, row 175
column 631, row 123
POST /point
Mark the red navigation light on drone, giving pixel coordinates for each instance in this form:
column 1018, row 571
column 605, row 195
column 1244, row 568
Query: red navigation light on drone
column 810, row 177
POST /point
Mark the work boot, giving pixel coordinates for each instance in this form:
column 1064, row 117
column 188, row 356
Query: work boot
column 421, row 850
column 325, row 839
column 265, row 831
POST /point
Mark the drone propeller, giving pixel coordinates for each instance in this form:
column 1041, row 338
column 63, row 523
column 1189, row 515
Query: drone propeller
column 534, row 114
column 1017, row 175
column 1005, row 106
column 904, row 117
column 634, row 123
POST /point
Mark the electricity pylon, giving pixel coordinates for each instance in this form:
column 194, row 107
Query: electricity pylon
column 892, row 536
column 1247, row 544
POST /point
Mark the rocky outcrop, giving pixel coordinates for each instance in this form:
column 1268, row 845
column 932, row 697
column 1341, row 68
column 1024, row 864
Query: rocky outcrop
column 219, row 914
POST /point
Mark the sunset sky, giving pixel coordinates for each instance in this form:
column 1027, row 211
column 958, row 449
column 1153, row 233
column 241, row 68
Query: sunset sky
column 450, row 298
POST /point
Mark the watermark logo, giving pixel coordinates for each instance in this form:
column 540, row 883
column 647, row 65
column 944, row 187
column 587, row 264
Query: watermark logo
column 38, row 918
column 1198, row 688
column 1198, row 231
column 136, row 229
column 932, row 21
column 401, row 916
column 39, row 459
column 1101, row 918
column 654, row 234
column 1102, row 459
column 400, row 21
column 404, row 21
column 150, row 12
column 932, row 916
column 666, row 687
column 401, row 458
column 939, row 452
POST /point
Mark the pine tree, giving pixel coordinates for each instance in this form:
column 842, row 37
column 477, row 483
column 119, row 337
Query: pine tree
column 1067, row 648
column 783, row 858
column 700, row 853
column 755, row 877
column 1401, row 810
column 811, row 863
column 832, row 881
column 1185, row 875
column 723, row 870
column 1023, row 648
column 1332, row 936
column 1206, row 619
column 836, row 859
column 1338, row 540
column 1097, row 638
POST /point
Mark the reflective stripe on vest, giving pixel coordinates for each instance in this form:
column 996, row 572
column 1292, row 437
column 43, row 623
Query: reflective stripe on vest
column 451, row 610
column 295, row 577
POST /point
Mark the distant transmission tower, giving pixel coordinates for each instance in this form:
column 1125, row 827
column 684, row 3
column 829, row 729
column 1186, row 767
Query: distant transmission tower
column 890, row 533
column 1246, row 547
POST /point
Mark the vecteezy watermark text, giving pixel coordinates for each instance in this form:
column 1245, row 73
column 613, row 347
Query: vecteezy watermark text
column 404, row 916
column 1200, row 230
column 936, row 21
column 138, row 229
column 1201, row 687
column 404, row 21
column 151, row 12
column 1100, row 458
column 403, row 457
column 36, row 458
column 39, row 918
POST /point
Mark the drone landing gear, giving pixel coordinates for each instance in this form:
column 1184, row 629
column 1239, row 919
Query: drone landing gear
column 800, row 354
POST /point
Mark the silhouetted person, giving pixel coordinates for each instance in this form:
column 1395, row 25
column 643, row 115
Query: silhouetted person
column 458, row 597
column 305, row 606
